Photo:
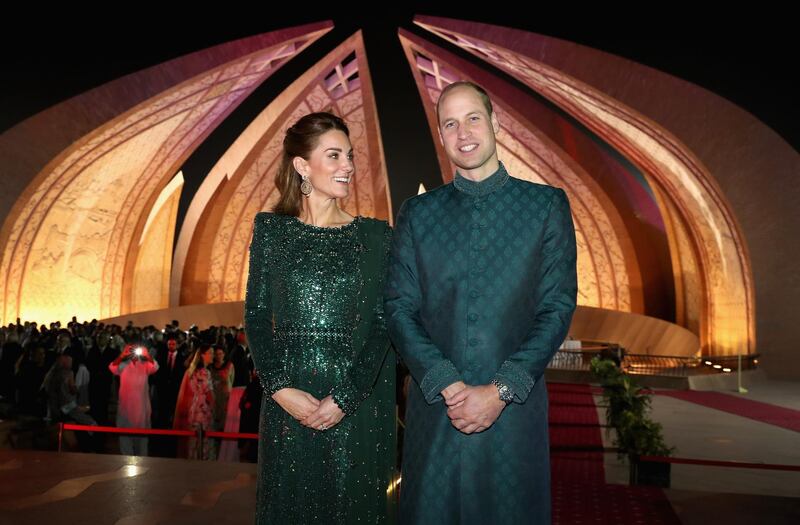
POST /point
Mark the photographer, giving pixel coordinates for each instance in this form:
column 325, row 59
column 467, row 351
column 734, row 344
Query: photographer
column 133, row 366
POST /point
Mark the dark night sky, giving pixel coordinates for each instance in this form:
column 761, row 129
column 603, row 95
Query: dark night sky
column 745, row 58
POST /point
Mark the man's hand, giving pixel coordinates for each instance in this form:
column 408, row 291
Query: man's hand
column 475, row 408
column 451, row 390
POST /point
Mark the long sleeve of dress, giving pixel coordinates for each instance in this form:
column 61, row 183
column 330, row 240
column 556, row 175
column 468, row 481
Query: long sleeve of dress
column 258, row 311
column 361, row 376
column 425, row 361
column 556, row 297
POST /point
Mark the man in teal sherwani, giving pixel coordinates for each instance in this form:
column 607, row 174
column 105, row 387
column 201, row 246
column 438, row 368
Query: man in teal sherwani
column 482, row 287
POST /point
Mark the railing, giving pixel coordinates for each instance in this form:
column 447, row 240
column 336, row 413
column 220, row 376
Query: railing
column 644, row 364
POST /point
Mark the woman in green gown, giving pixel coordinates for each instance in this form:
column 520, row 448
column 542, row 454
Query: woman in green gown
column 315, row 324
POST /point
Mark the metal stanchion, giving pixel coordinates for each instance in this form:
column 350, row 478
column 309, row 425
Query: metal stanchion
column 742, row 390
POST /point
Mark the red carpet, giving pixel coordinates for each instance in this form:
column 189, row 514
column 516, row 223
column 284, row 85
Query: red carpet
column 734, row 404
column 611, row 504
column 579, row 491
column 576, row 448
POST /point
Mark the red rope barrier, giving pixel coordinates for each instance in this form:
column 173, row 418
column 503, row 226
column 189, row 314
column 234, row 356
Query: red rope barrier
column 144, row 431
column 716, row 463
column 231, row 435
column 238, row 435
column 158, row 432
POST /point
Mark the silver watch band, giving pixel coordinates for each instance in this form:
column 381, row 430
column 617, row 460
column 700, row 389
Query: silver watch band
column 504, row 392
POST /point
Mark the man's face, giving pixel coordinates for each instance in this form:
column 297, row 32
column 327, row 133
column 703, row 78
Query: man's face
column 467, row 132
column 172, row 344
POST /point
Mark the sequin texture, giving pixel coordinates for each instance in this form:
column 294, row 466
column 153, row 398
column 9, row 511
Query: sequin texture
column 314, row 321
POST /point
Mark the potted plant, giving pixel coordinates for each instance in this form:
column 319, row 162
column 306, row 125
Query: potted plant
column 636, row 435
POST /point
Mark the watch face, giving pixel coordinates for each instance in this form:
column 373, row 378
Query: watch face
column 504, row 392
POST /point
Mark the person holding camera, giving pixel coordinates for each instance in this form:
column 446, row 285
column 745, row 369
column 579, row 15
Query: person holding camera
column 133, row 366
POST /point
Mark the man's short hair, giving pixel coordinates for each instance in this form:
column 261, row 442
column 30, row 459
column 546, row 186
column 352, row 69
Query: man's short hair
column 484, row 96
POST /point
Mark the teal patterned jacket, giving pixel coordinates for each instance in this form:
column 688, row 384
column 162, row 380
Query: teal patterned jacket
column 482, row 285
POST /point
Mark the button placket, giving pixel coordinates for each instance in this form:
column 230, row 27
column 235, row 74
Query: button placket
column 477, row 252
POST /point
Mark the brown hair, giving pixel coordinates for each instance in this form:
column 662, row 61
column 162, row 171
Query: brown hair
column 300, row 141
column 487, row 103
column 197, row 360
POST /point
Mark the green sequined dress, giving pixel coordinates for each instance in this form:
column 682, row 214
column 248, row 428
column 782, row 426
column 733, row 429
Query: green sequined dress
column 314, row 321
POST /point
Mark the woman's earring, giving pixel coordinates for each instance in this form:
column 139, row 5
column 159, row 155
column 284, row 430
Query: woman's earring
column 305, row 187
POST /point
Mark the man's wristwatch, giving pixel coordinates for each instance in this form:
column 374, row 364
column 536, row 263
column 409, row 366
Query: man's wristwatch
column 505, row 393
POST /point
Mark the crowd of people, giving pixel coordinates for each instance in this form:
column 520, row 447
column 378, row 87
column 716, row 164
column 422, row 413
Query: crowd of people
column 93, row 373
